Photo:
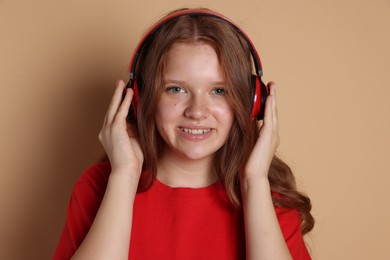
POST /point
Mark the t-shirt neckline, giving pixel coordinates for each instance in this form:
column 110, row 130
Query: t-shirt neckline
column 188, row 192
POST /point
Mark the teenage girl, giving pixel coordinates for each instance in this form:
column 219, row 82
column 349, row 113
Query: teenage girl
column 196, row 176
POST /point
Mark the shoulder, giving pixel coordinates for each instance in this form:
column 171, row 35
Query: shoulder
column 97, row 170
column 289, row 220
column 95, row 176
column 84, row 203
column 290, row 225
column 89, row 190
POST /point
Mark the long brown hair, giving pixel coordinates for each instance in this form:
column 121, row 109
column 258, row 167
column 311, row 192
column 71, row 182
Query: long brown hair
column 235, row 59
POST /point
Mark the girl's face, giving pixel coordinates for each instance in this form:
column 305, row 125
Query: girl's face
column 193, row 116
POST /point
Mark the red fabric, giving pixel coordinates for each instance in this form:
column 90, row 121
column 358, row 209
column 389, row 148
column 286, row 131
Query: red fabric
column 171, row 223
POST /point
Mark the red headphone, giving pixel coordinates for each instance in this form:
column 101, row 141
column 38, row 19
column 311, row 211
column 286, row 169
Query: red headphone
column 259, row 91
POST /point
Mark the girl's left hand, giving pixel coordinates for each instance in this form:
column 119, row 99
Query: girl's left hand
column 264, row 150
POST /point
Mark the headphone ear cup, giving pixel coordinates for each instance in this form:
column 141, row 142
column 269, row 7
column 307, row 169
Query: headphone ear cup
column 259, row 95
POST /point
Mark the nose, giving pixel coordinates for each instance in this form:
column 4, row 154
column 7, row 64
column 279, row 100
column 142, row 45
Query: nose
column 197, row 108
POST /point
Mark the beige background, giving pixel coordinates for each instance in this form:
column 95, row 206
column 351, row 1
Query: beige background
column 59, row 61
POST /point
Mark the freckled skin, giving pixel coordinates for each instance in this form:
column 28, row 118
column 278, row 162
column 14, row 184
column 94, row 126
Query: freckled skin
column 194, row 71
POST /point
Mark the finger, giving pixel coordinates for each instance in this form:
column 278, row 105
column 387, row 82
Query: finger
column 268, row 113
column 115, row 101
column 275, row 118
column 125, row 106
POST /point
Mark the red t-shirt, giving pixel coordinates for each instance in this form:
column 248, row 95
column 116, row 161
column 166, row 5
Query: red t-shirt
column 171, row 223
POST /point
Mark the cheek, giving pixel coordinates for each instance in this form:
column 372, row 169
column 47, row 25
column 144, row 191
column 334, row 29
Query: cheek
column 224, row 112
column 166, row 112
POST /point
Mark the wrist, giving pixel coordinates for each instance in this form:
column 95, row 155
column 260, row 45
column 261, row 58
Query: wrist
column 254, row 182
column 126, row 176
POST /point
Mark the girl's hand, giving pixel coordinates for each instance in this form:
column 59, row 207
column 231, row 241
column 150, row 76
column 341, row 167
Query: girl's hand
column 120, row 139
column 264, row 150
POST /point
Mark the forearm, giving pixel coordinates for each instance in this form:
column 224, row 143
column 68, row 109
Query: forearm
column 109, row 235
column 264, row 239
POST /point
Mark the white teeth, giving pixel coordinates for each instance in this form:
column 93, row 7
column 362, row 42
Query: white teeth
column 195, row 131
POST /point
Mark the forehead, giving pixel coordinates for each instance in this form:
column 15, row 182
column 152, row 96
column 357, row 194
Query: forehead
column 193, row 59
column 191, row 48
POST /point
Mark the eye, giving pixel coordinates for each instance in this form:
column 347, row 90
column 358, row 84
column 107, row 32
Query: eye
column 174, row 89
column 219, row 91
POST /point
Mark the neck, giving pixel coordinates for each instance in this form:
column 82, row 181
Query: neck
column 176, row 171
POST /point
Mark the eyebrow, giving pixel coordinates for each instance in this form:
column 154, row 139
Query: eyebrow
column 166, row 81
column 179, row 82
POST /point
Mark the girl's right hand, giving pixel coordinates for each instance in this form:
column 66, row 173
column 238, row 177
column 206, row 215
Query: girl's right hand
column 119, row 138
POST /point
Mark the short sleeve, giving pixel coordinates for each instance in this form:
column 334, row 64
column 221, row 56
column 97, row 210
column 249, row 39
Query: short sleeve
column 84, row 203
column 290, row 224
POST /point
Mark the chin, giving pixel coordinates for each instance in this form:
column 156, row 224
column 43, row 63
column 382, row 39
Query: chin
column 197, row 155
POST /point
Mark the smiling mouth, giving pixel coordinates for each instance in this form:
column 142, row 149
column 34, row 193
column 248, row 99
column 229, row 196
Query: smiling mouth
column 194, row 131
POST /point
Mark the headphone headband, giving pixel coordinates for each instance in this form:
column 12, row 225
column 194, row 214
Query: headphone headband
column 259, row 91
column 193, row 12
